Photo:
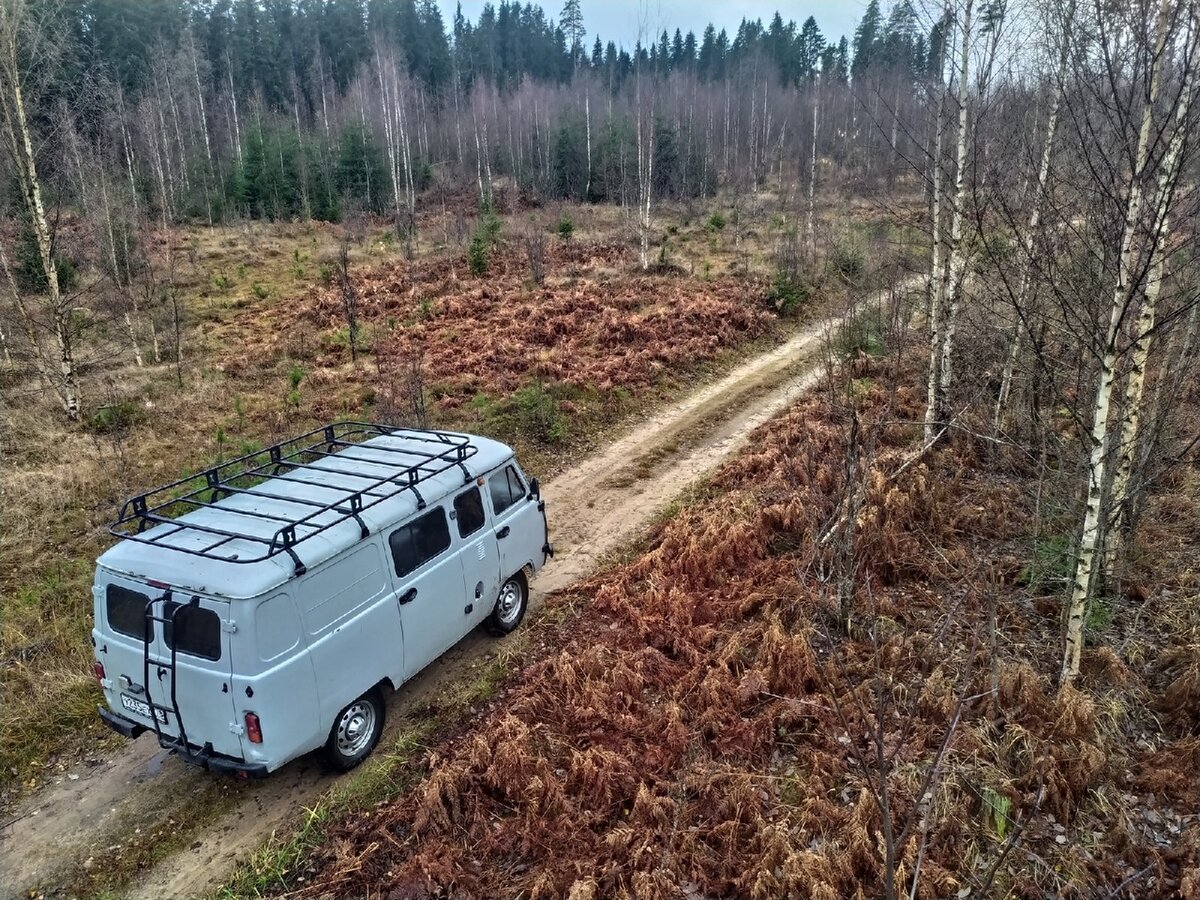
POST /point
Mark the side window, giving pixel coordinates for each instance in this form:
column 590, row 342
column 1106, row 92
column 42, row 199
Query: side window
column 419, row 541
column 126, row 611
column 468, row 509
column 198, row 630
column 505, row 488
column 515, row 488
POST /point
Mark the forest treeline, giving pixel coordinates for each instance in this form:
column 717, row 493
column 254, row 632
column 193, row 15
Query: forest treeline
column 301, row 108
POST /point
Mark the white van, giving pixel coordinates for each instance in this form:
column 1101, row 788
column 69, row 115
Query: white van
column 259, row 610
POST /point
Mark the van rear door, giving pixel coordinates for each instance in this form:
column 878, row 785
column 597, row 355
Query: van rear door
column 197, row 689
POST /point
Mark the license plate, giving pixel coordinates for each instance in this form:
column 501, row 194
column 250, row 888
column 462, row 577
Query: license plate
column 142, row 708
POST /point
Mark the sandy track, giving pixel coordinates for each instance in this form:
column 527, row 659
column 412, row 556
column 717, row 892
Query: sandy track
column 594, row 507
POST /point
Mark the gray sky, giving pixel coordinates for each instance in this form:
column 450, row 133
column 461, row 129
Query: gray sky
column 617, row 20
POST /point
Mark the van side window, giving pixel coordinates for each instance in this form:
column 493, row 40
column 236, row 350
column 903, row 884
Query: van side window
column 197, row 629
column 468, row 508
column 505, row 488
column 126, row 612
column 419, row 541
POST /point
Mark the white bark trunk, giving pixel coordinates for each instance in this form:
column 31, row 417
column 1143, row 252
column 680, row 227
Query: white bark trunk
column 237, row 128
column 200, row 98
column 1035, row 214
column 20, row 146
column 1168, row 177
column 810, row 234
column 122, row 288
column 587, row 119
column 956, row 282
column 937, row 279
column 1089, row 543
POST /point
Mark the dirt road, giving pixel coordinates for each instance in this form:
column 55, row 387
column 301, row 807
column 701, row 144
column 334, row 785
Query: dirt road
column 594, row 507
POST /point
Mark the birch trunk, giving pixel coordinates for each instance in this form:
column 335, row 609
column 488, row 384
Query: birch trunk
column 20, row 147
column 1168, row 177
column 478, row 157
column 321, row 79
column 810, row 234
column 1090, row 537
column 937, row 280
column 200, row 98
column 1035, row 214
column 122, row 288
column 385, row 69
column 127, row 144
column 958, row 258
column 237, row 128
column 183, row 172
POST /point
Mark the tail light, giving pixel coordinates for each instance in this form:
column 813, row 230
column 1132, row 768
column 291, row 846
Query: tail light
column 98, row 670
column 253, row 728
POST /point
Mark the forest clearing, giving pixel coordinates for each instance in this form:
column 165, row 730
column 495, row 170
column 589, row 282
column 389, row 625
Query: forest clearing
column 854, row 382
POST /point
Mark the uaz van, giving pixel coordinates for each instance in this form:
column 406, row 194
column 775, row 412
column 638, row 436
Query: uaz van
column 259, row 610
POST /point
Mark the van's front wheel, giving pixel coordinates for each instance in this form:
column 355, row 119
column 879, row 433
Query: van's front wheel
column 510, row 606
column 356, row 730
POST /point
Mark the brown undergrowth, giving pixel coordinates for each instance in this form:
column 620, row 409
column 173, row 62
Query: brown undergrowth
column 496, row 334
column 707, row 729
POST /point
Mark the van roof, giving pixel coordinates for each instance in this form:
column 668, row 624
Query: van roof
column 179, row 551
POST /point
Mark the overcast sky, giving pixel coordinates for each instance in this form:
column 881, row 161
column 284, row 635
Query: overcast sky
column 617, row 20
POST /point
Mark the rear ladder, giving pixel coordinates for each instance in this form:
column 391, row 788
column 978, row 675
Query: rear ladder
column 161, row 666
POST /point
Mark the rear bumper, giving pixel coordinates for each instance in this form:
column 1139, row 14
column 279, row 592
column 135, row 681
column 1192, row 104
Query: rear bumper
column 205, row 759
column 215, row 762
column 121, row 725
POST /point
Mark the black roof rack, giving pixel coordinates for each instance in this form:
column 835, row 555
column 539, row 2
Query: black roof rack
column 435, row 452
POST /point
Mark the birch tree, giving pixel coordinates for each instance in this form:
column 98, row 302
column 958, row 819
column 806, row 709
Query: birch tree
column 1028, row 240
column 20, row 38
column 1085, row 569
column 942, row 344
column 1167, row 184
column 937, row 270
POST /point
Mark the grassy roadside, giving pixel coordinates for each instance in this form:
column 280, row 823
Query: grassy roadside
column 283, row 863
column 399, row 763
column 61, row 485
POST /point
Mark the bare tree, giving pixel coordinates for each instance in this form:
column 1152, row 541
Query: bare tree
column 348, row 292
column 942, row 345
column 1125, row 287
column 21, row 39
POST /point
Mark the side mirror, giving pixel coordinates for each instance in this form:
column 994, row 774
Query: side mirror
column 535, row 488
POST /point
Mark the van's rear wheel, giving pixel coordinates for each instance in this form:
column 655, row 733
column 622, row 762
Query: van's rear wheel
column 356, row 730
column 510, row 606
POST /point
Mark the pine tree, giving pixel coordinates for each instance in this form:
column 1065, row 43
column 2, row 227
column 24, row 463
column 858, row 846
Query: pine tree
column 571, row 22
column 810, row 47
column 866, row 39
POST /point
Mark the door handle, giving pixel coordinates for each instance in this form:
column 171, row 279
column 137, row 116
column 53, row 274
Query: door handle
column 408, row 596
column 503, row 532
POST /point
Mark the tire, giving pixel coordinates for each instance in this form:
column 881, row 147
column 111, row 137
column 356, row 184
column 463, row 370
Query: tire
column 355, row 732
column 510, row 607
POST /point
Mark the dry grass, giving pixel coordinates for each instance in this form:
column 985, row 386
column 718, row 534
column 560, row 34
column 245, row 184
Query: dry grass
column 256, row 307
column 704, row 734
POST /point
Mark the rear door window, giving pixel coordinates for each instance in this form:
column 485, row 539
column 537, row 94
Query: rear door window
column 505, row 488
column 468, row 510
column 126, row 611
column 419, row 541
column 197, row 630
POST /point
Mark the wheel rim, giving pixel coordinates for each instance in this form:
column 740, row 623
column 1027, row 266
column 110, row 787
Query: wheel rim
column 512, row 598
column 355, row 728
